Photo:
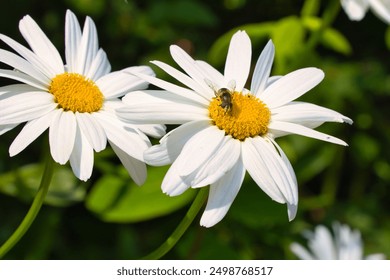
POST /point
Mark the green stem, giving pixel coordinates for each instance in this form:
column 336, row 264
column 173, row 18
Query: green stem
column 330, row 14
column 181, row 228
column 33, row 211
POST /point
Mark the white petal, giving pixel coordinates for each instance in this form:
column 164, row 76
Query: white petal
column 31, row 131
column 62, row 135
column 118, row 83
column 34, row 59
column 24, row 66
column 153, row 130
column 222, row 194
column 270, row 172
column 7, row 127
column 125, row 138
column 135, row 168
column 87, row 48
column 238, row 60
column 81, row 158
column 100, row 66
column 322, row 244
column 184, row 79
column 172, row 143
column 300, row 251
column 199, row 148
column 263, row 69
column 174, row 89
column 40, row 44
column 159, row 107
column 25, row 106
column 72, row 40
column 302, row 112
column 302, row 130
column 92, row 131
column 291, row 86
column 21, row 77
column 382, row 9
column 191, row 68
column 219, row 164
column 173, row 184
column 355, row 9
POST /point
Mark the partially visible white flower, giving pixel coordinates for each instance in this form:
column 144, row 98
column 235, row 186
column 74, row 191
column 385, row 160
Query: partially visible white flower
column 227, row 129
column 356, row 9
column 76, row 101
column 345, row 244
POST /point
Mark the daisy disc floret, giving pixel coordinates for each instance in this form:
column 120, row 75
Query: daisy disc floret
column 75, row 100
column 227, row 129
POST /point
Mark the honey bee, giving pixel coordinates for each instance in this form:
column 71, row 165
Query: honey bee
column 226, row 98
column 224, row 94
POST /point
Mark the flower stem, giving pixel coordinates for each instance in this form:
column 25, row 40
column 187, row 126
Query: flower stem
column 33, row 211
column 181, row 228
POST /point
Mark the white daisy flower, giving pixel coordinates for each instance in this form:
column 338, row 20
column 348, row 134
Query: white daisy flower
column 357, row 9
column 227, row 129
column 76, row 101
column 346, row 244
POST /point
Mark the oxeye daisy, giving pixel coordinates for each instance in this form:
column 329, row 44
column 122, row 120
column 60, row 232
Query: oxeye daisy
column 227, row 129
column 76, row 101
column 344, row 244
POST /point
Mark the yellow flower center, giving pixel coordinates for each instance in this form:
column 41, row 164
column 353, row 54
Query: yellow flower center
column 73, row 92
column 247, row 117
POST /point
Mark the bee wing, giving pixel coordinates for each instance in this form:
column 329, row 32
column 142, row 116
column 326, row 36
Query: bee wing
column 232, row 84
column 211, row 84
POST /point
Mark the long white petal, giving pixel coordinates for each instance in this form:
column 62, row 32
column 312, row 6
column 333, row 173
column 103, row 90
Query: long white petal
column 153, row 130
column 212, row 74
column 238, row 60
column 135, row 167
column 72, row 40
column 24, row 78
column 123, row 137
column 172, row 143
column 6, row 127
column 189, row 65
column 25, row 106
column 31, row 131
column 219, row 164
column 263, row 69
column 62, row 135
column 302, row 112
column 81, row 158
column 40, row 44
column 382, row 9
column 173, row 184
column 34, row 59
column 222, row 194
column 87, row 48
column 174, row 89
column 199, row 148
column 24, row 66
column 301, row 252
column 184, row 79
column 160, row 107
column 291, row 86
column 100, row 66
column 302, row 130
column 118, row 83
column 92, row 131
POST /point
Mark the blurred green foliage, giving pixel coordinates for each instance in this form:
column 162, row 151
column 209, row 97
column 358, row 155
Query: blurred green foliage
column 110, row 218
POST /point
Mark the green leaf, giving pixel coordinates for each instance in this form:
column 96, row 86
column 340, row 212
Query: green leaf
column 387, row 37
column 334, row 40
column 113, row 199
column 23, row 183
